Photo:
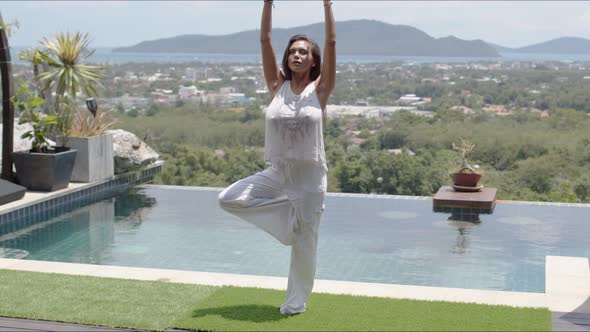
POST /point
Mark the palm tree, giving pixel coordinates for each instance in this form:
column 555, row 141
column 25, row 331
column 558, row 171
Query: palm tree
column 64, row 55
column 34, row 56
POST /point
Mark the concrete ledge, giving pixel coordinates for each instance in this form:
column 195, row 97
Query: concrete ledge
column 567, row 281
column 34, row 197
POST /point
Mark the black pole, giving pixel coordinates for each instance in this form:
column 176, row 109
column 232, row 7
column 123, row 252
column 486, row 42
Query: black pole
column 7, row 107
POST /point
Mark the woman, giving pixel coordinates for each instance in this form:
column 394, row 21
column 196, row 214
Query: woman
column 286, row 199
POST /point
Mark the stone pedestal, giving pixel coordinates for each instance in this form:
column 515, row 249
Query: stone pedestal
column 449, row 200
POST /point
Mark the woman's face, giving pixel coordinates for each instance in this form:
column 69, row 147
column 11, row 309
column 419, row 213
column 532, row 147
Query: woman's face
column 300, row 57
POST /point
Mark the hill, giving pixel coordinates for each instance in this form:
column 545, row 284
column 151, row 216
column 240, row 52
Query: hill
column 358, row 37
column 564, row 45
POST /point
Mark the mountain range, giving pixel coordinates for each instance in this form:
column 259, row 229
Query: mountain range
column 356, row 37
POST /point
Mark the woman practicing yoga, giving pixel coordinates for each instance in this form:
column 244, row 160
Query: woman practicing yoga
column 287, row 199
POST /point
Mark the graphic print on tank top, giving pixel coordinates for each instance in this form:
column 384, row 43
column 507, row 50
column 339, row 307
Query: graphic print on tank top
column 292, row 121
column 294, row 126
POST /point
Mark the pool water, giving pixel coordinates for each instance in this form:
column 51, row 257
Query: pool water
column 362, row 238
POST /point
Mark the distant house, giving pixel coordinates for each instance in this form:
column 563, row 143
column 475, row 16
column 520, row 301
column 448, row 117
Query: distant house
column 400, row 151
column 408, row 99
column 196, row 74
column 189, row 92
column 240, row 98
column 228, row 90
column 129, row 102
column 412, row 99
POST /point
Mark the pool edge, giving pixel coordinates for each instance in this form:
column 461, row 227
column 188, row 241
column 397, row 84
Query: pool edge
column 514, row 299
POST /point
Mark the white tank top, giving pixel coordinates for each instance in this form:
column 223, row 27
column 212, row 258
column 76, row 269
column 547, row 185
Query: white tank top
column 294, row 127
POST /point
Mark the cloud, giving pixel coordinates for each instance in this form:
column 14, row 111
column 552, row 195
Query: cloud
column 583, row 21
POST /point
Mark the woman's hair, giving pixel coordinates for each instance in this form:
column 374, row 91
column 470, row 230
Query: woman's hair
column 315, row 52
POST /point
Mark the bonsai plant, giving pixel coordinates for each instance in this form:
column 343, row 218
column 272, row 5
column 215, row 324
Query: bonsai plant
column 95, row 159
column 41, row 168
column 466, row 175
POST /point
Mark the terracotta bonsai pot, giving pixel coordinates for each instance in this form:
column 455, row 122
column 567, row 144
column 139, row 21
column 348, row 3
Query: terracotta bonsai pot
column 465, row 179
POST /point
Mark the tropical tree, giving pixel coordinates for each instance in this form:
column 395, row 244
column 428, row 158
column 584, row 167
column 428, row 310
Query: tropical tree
column 34, row 56
column 65, row 54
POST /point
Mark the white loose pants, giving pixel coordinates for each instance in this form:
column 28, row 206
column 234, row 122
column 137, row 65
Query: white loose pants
column 282, row 207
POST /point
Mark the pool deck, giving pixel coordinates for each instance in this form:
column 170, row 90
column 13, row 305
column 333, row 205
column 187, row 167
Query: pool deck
column 32, row 197
column 567, row 290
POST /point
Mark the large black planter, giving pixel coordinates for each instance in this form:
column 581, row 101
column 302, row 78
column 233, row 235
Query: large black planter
column 44, row 171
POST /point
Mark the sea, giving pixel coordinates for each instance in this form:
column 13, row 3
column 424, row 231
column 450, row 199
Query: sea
column 106, row 56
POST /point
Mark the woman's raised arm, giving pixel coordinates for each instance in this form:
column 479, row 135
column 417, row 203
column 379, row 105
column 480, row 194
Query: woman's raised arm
column 327, row 79
column 272, row 74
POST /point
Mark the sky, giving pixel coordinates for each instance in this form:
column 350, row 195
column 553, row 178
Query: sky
column 125, row 23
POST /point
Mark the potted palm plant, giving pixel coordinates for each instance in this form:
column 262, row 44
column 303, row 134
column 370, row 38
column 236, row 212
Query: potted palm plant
column 64, row 56
column 466, row 178
column 41, row 168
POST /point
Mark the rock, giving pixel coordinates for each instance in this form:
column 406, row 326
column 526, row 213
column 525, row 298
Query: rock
column 130, row 152
column 20, row 144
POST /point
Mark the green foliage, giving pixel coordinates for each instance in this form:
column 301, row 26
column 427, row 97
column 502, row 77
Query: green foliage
column 152, row 110
column 525, row 160
column 563, row 193
column 525, row 155
column 28, row 107
column 65, row 53
column 133, row 113
column 186, row 165
column 9, row 28
column 32, row 55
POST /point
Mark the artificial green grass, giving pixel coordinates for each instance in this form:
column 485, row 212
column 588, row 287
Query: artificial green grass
column 96, row 301
column 158, row 305
column 248, row 309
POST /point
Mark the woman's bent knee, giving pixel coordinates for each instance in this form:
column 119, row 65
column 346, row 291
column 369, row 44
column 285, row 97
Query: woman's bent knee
column 232, row 200
column 223, row 200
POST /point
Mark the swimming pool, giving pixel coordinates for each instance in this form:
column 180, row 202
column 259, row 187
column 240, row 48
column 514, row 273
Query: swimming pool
column 380, row 239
